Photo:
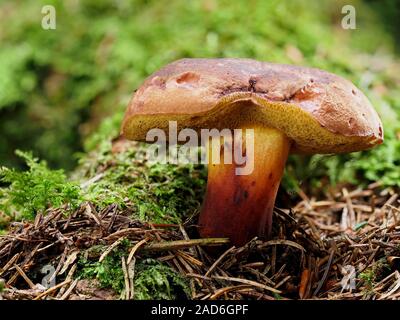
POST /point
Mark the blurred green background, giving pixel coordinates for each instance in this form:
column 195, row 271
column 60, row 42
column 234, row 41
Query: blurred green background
column 63, row 91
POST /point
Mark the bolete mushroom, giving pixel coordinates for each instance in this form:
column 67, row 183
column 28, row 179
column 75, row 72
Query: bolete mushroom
column 292, row 109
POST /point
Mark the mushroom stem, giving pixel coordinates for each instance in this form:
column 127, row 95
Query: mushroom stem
column 240, row 206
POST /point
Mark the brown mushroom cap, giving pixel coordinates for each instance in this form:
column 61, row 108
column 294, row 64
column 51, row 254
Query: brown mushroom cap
column 319, row 111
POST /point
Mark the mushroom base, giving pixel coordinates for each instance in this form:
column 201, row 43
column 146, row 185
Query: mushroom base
column 240, row 206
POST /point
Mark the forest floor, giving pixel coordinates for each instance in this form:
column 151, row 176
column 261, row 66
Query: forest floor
column 346, row 246
column 338, row 244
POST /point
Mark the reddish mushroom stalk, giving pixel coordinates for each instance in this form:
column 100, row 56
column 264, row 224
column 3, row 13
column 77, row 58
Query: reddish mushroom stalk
column 240, row 206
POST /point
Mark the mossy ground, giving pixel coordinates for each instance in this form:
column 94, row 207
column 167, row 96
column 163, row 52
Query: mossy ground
column 77, row 98
column 166, row 194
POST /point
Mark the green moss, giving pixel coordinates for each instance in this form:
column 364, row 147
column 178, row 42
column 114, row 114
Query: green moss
column 36, row 189
column 108, row 272
column 153, row 192
column 2, row 285
column 368, row 276
column 375, row 273
column 156, row 281
column 153, row 280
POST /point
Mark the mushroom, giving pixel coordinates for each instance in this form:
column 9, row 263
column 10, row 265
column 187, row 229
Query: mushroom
column 291, row 109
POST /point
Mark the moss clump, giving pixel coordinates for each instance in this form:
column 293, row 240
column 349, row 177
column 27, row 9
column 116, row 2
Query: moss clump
column 36, row 189
column 157, row 281
column 108, row 272
column 152, row 192
column 377, row 272
column 153, row 280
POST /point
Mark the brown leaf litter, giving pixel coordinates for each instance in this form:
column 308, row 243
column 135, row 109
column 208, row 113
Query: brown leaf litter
column 343, row 247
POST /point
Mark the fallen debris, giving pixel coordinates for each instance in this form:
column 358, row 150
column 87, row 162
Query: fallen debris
column 343, row 247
